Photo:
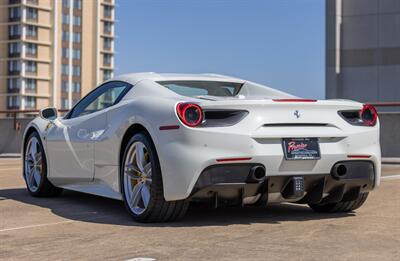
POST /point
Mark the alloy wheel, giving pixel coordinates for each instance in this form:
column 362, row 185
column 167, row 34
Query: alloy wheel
column 33, row 164
column 137, row 177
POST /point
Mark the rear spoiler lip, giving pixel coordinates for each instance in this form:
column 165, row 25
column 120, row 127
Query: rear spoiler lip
column 294, row 100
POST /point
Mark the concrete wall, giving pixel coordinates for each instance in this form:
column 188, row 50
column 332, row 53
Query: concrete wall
column 390, row 134
column 10, row 140
column 363, row 50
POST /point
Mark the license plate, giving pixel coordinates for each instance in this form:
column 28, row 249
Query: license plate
column 301, row 148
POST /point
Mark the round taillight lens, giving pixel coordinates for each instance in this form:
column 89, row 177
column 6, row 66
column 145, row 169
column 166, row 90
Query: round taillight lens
column 190, row 114
column 368, row 115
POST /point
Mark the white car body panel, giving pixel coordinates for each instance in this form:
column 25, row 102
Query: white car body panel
column 83, row 153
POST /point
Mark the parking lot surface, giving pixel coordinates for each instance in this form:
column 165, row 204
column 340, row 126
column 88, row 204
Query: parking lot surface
column 77, row 226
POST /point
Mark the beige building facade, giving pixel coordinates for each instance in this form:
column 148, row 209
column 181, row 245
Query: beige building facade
column 53, row 52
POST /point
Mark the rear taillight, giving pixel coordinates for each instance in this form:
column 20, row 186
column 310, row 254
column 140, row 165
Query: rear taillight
column 368, row 115
column 190, row 114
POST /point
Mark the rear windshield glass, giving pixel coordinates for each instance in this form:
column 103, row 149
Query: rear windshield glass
column 200, row 88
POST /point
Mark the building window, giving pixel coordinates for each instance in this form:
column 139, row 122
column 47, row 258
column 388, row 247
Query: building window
column 65, row 19
column 14, row 84
column 65, row 69
column 31, row 66
column 32, row 14
column 108, row 27
column 31, row 48
column 64, row 86
column 107, row 59
column 14, row 66
column 76, row 87
column 14, row 49
column 107, row 74
column 30, row 102
column 14, row 31
column 13, row 102
column 77, row 37
column 66, row 3
column 65, row 36
column 76, row 54
column 108, row 11
column 14, row 13
column 31, row 31
column 107, row 43
column 76, row 70
column 30, row 84
column 64, row 103
column 65, row 53
column 77, row 20
column 78, row 4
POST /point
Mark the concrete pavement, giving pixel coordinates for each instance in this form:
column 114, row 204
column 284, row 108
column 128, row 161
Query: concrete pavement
column 79, row 226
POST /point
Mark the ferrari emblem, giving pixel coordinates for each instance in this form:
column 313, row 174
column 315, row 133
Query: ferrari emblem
column 297, row 114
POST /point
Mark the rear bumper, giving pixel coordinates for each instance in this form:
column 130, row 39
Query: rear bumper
column 185, row 153
column 229, row 184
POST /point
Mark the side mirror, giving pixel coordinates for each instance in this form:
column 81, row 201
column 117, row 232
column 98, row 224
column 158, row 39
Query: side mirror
column 49, row 113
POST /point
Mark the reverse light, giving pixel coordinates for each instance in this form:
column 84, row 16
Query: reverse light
column 368, row 115
column 190, row 114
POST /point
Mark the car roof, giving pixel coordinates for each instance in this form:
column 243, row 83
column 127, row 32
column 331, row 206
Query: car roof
column 134, row 78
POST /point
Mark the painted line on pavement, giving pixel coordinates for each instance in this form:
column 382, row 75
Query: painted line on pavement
column 11, row 169
column 391, row 177
column 38, row 225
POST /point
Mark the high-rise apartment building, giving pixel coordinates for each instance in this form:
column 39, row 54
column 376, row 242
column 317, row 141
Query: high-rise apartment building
column 52, row 52
column 363, row 50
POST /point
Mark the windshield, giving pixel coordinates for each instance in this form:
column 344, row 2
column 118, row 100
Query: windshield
column 202, row 88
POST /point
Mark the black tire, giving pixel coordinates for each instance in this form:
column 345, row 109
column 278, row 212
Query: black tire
column 45, row 188
column 158, row 209
column 342, row 206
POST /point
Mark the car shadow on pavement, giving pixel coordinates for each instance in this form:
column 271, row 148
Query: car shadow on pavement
column 93, row 209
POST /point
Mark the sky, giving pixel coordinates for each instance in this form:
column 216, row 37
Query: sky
column 279, row 43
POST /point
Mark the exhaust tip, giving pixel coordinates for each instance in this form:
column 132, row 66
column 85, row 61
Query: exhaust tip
column 257, row 174
column 339, row 171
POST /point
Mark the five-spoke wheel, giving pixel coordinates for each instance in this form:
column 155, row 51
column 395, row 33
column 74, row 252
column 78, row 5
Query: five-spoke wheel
column 33, row 164
column 137, row 177
column 35, row 168
column 142, row 186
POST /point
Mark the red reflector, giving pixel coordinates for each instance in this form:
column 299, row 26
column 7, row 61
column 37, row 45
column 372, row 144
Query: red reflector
column 169, row 127
column 359, row 156
column 232, row 159
column 294, row 100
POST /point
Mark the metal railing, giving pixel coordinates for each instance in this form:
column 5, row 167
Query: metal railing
column 14, row 115
column 385, row 104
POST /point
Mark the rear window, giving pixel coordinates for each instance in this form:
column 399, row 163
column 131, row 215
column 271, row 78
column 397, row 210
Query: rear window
column 200, row 88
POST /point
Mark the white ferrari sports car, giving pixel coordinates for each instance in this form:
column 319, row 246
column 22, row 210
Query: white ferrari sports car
column 161, row 141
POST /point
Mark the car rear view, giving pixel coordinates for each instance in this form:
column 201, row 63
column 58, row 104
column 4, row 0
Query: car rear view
column 240, row 145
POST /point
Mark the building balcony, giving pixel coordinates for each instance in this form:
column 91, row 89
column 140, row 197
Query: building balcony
column 14, row 2
column 31, row 37
column 14, row 19
column 14, row 37
column 32, row 2
column 13, row 90
column 14, row 55
column 14, row 72
column 31, row 55
column 32, row 19
column 31, row 73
